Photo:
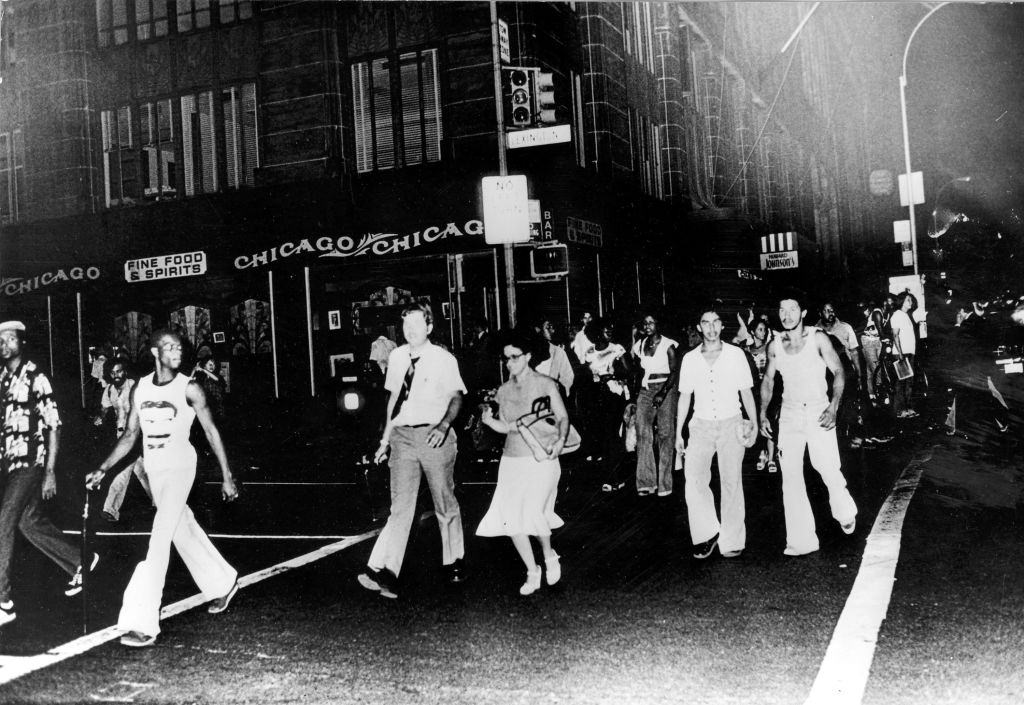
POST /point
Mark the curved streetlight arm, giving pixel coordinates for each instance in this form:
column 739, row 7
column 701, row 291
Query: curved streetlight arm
column 906, row 135
column 906, row 50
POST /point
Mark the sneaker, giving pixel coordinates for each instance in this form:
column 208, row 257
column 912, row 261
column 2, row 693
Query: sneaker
column 849, row 527
column 608, row 487
column 855, row 442
column 794, row 552
column 221, row 603
column 75, row 584
column 646, row 491
column 532, row 583
column 664, row 493
column 732, row 554
column 382, row 581
column 553, row 569
column 7, row 614
column 705, row 549
column 772, row 467
column 110, row 516
column 137, row 640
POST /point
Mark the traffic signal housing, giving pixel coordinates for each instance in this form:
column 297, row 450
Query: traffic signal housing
column 549, row 260
column 520, row 97
column 544, row 97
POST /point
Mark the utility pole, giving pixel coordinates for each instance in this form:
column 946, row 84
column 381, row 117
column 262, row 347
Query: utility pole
column 510, row 271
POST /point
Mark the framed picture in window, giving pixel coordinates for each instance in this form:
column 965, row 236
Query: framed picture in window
column 218, row 336
column 334, row 319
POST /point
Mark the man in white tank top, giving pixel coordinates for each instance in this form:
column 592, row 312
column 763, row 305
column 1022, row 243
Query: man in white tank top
column 164, row 405
column 808, row 419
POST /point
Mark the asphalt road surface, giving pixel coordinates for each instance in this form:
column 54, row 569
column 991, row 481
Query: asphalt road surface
column 635, row 620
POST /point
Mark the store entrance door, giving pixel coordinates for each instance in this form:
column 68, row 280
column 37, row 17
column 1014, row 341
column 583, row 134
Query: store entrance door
column 475, row 293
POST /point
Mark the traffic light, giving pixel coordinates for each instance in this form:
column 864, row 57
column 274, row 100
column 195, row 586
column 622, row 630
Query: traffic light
column 549, row 260
column 520, row 113
column 544, row 97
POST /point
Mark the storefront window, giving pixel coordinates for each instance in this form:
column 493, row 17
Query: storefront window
column 397, row 111
column 150, row 19
column 159, row 168
column 238, row 105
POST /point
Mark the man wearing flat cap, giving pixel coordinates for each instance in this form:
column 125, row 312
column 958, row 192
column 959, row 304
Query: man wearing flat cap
column 29, row 440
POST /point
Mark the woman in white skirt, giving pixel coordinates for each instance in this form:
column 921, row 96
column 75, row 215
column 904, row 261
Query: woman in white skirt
column 524, row 499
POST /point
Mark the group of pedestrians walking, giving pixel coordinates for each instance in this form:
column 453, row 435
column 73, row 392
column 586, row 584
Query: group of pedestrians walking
column 689, row 408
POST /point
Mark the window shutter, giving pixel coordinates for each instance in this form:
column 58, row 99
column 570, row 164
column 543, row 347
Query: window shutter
column 361, row 119
column 383, row 121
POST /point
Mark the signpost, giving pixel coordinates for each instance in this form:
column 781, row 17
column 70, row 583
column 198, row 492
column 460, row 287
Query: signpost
column 779, row 251
column 506, row 209
column 917, row 185
column 539, row 136
column 182, row 264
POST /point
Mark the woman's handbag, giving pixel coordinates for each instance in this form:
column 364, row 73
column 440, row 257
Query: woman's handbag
column 540, row 430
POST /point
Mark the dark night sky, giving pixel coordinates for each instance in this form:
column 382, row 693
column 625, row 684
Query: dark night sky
column 965, row 98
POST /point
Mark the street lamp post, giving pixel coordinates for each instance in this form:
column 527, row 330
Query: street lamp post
column 906, row 135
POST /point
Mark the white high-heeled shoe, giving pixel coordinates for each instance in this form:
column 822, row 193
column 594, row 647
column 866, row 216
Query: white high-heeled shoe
column 532, row 583
column 553, row 569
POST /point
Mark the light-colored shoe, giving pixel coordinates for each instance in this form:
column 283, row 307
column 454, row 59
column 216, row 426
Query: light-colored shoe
column 7, row 613
column 137, row 640
column 532, row 583
column 794, row 552
column 849, row 527
column 553, row 569
column 732, row 554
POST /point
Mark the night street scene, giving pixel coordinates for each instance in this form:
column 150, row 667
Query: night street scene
column 511, row 352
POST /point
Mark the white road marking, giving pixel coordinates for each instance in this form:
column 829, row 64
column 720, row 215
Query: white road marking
column 268, row 537
column 285, row 484
column 844, row 672
column 112, row 695
column 14, row 667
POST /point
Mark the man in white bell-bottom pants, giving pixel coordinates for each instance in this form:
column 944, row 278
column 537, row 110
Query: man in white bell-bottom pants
column 717, row 376
column 807, row 420
column 164, row 405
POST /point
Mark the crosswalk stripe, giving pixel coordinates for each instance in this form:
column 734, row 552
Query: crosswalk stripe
column 844, row 671
column 14, row 667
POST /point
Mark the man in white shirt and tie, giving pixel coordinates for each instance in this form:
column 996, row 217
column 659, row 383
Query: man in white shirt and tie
column 426, row 392
column 717, row 377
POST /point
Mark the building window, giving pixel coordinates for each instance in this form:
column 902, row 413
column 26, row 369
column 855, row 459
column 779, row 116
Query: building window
column 193, row 14
column 119, row 163
column 199, row 150
column 157, row 136
column 150, row 19
column 238, row 105
column 232, row 10
column 112, row 22
column 397, row 111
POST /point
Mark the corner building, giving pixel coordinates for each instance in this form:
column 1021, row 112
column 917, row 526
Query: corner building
column 276, row 179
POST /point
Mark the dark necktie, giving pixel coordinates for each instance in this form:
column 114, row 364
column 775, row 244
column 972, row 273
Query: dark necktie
column 403, row 393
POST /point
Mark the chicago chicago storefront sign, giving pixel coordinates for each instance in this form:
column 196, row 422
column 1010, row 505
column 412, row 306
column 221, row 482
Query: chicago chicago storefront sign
column 368, row 245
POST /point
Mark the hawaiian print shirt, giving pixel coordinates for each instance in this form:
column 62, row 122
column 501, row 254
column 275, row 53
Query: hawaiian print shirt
column 29, row 410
